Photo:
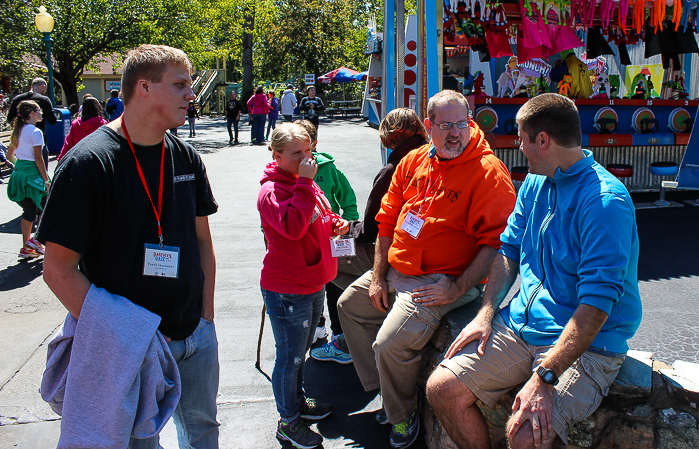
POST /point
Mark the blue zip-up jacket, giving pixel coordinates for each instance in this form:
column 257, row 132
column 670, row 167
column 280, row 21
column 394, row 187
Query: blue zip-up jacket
column 575, row 239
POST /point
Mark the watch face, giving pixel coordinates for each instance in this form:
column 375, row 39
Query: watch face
column 548, row 377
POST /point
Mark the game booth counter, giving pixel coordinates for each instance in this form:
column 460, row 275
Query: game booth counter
column 631, row 68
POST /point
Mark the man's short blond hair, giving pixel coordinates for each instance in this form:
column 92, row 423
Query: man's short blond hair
column 445, row 97
column 38, row 82
column 284, row 134
column 149, row 62
column 400, row 125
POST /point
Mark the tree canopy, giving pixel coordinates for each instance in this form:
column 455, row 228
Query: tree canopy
column 270, row 40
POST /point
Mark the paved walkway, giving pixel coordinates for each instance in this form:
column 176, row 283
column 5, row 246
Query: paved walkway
column 29, row 313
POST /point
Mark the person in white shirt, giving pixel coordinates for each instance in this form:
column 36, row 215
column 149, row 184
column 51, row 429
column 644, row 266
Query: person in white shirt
column 288, row 103
column 29, row 182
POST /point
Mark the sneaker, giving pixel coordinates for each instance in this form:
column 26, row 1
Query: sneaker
column 35, row 245
column 314, row 410
column 405, row 433
column 381, row 417
column 28, row 253
column 299, row 434
column 321, row 332
column 329, row 352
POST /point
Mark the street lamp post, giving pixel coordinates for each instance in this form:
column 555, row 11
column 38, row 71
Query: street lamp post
column 44, row 22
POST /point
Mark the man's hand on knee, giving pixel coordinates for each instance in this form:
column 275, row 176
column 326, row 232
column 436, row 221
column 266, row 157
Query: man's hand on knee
column 532, row 405
column 378, row 292
column 480, row 328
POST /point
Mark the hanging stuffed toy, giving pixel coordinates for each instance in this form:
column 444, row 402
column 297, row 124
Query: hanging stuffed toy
column 623, row 12
column 640, row 84
column 607, row 11
column 478, row 85
column 503, row 82
column 531, row 86
column 602, row 86
column 638, row 15
column 533, row 27
column 564, row 86
column 689, row 14
column 658, row 15
column 581, row 85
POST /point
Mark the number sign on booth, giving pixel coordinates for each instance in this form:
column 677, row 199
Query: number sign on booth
column 310, row 79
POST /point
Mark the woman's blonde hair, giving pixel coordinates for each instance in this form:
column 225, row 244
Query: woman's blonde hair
column 24, row 110
column 284, row 134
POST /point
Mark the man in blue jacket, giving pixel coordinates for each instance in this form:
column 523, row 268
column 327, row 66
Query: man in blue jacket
column 573, row 240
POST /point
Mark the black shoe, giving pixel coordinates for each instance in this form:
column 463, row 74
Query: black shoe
column 312, row 409
column 299, row 434
column 405, row 433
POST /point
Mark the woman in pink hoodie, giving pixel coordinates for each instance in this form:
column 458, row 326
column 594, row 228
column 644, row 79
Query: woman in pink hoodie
column 258, row 109
column 298, row 225
column 83, row 126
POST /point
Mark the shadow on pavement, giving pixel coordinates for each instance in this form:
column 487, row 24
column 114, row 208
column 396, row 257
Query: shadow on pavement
column 21, row 274
column 340, row 386
column 12, row 227
column 668, row 242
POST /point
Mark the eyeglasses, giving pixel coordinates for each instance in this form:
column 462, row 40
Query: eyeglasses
column 448, row 125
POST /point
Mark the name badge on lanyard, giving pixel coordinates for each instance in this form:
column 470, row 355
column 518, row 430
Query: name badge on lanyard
column 412, row 224
column 342, row 247
column 161, row 261
column 158, row 260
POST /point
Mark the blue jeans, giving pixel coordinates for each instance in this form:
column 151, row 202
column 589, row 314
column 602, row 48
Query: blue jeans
column 230, row 121
column 258, row 121
column 195, row 415
column 294, row 319
column 271, row 124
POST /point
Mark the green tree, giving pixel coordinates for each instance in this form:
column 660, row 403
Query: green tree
column 85, row 29
column 15, row 25
column 314, row 36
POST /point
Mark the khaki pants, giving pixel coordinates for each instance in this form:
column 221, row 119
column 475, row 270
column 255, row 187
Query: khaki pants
column 385, row 347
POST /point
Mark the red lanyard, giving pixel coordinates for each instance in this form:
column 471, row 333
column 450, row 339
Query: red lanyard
column 159, row 210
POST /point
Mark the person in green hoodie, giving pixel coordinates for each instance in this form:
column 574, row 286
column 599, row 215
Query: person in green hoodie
column 340, row 194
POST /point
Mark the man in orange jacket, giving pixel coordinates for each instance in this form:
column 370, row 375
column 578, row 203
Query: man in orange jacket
column 439, row 230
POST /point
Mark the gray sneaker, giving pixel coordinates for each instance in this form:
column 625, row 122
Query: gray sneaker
column 299, row 434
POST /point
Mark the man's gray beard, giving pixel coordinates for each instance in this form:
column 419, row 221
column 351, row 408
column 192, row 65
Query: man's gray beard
column 450, row 154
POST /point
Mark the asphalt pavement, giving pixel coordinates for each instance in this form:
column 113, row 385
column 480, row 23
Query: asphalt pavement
column 29, row 313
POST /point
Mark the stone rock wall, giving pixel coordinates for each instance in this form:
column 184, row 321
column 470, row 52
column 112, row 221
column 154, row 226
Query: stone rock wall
column 650, row 405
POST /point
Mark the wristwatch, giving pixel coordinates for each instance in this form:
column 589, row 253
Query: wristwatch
column 548, row 376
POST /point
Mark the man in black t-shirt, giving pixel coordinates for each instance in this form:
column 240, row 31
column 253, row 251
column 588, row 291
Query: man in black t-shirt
column 100, row 223
column 36, row 94
column 233, row 109
column 311, row 106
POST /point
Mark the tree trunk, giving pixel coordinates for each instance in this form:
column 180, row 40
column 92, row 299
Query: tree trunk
column 248, row 29
column 70, row 88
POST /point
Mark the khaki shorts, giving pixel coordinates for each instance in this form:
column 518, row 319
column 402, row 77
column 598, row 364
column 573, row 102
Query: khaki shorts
column 509, row 361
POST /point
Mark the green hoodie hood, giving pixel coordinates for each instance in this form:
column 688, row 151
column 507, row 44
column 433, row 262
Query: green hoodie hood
column 323, row 158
